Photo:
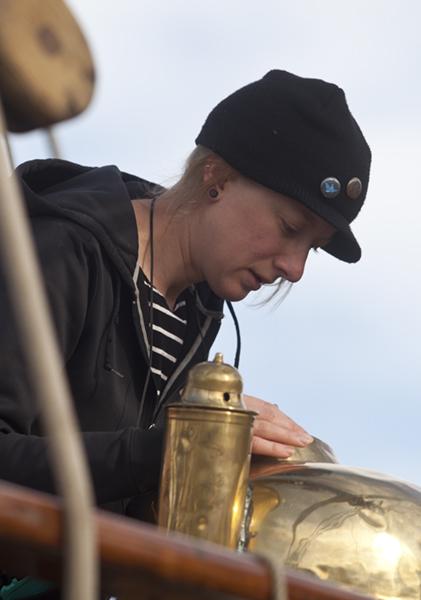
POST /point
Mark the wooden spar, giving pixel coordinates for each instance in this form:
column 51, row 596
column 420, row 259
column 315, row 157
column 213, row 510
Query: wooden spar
column 138, row 559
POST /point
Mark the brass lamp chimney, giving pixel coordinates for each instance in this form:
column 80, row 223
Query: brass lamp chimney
column 207, row 456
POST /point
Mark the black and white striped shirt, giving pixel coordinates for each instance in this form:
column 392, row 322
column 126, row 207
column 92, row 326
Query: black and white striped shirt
column 169, row 329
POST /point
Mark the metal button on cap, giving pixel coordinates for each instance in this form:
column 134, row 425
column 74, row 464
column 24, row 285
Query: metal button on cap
column 354, row 188
column 330, row 187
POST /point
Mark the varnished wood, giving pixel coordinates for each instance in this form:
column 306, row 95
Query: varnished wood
column 139, row 560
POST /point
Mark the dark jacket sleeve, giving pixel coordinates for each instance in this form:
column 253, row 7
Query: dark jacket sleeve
column 122, row 463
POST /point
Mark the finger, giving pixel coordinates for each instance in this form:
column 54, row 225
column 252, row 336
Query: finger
column 279, row 419
column 268, row 448
column 272, row 413
column 280, row 434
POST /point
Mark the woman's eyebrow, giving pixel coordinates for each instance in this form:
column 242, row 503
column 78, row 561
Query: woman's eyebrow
column 308, row 220
column 307, row 215
column 324, row 241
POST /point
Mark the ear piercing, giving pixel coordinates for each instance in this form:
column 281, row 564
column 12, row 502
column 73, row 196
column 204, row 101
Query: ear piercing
column 213, row 192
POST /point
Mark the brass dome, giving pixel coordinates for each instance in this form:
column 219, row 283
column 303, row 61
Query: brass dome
column 214, row 384
column 317, row 451
column 348, row 526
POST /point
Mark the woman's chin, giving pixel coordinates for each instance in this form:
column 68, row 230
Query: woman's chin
column 232, row 292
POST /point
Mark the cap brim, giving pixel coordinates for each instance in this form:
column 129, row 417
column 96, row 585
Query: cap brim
column 343, row 244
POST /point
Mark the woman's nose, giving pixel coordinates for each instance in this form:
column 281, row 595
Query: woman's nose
column 291, row 267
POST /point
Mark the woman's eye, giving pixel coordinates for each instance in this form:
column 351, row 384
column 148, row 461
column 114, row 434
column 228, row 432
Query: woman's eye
column 287, row 228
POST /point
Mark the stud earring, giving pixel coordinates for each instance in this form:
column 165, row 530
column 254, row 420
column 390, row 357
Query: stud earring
column 213, row 192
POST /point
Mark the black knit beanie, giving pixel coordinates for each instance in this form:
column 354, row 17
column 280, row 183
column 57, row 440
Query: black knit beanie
column 297, row 136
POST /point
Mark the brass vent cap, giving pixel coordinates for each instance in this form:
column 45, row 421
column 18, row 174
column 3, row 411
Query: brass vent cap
column 214, row 384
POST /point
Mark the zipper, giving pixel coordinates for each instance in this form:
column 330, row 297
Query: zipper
column 139, row 309
column 142, row 337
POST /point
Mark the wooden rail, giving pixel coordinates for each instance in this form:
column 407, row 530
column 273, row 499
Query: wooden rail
column 139, row 560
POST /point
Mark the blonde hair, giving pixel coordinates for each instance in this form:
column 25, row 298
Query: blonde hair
column 188, row 192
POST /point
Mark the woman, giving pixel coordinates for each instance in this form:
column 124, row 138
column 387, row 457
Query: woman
column 137, row 275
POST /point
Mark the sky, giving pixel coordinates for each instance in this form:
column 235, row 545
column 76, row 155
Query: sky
column 341, row 354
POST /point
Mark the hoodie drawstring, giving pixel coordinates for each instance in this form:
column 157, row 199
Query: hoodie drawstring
column 115, row 317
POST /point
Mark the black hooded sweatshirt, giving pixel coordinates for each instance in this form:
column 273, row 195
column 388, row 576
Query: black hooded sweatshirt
column 86, row 236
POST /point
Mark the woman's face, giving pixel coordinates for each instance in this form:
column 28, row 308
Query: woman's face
column 250, row 235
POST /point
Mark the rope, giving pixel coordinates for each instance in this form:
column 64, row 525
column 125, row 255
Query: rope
column 276, row 569
column 45, row 367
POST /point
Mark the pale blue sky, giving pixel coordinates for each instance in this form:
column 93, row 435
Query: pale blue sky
column 342, row 354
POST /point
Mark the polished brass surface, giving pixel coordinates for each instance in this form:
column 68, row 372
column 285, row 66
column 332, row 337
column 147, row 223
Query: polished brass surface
column 317, row 451
column 349, row 526
column 207, row 456
column 214, row 384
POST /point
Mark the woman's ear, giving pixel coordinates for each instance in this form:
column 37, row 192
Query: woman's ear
column 213, row 179
column 209, row 173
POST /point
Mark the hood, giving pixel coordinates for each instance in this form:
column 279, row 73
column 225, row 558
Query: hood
column 96, row 198
column 99, row 199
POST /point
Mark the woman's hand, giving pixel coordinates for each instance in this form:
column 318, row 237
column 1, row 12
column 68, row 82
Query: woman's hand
column 273, row 432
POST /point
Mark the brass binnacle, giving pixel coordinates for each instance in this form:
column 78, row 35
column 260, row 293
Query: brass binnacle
column 348, row 526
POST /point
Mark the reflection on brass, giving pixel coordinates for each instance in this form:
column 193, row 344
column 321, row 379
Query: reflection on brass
column 317, row 451
column 352, row 527
column 349, row 526
column 207, row 456
column 214, row 384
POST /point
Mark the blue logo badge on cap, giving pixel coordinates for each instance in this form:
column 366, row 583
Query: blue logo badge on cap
column 330, row 187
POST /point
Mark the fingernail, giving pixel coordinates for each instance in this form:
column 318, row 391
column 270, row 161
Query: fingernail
column 305, row 438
